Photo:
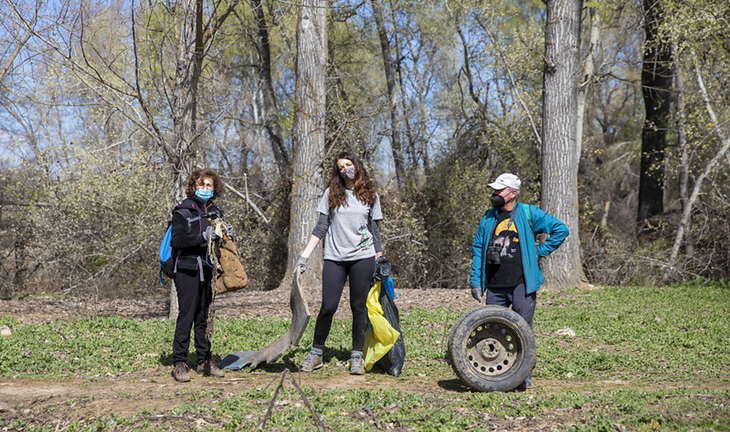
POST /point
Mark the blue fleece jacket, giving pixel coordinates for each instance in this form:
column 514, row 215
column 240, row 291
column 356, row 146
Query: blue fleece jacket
column 541, row 223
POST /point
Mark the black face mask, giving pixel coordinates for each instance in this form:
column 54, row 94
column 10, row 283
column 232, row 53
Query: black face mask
column 497, row 201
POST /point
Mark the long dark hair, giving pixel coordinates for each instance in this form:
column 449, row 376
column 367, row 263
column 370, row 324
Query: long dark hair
column 364, row 189
column 199, row 173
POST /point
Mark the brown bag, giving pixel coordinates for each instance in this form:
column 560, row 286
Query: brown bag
column 229, row 270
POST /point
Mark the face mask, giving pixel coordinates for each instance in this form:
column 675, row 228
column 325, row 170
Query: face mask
column 348, row 173
column 497, row 201
column 203, row 194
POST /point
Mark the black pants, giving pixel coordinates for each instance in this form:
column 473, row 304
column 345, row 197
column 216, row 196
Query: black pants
column 334, row 274
column 193, row 299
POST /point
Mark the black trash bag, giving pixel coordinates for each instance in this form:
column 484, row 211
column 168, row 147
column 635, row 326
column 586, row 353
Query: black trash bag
column 382, row 269
column 392, row 363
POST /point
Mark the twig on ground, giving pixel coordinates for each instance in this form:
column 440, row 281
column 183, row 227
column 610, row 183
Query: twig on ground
column 318, row 422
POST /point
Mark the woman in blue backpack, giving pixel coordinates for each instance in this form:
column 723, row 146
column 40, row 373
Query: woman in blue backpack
column 349, row 212
column 193, row 271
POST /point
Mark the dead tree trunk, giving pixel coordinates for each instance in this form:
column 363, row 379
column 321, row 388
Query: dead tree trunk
column 559, row 155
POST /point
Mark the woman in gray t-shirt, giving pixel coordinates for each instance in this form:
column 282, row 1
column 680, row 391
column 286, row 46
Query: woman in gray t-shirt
column 349, row 212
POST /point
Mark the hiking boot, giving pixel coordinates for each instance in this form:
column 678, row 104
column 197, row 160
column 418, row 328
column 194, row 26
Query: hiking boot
column 209, row 368
column 180, row 372
column 356, row 366
column 312, row 362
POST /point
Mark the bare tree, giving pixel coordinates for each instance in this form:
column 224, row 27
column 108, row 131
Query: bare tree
column 559, row 156
column 19, row 29
column 390, row 77
column 309, row 130
column 271, row 110
column 709, row 167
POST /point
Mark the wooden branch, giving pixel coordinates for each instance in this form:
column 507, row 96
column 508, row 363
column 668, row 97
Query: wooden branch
column 256, row 209
column 24, row 204
column 511, row 79
column 687, row 213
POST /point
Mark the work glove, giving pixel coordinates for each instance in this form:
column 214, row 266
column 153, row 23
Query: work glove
column 229, row 228
column 301, row 265
column 476, row 292
column 209, row 233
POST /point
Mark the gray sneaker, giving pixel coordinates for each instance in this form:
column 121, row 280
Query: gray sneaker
column 312, row 362
column 356, row 366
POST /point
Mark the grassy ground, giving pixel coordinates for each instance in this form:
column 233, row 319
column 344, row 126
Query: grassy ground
column 642, row 359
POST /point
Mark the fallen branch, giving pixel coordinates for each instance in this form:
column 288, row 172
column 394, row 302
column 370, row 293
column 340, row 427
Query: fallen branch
column 267, row 415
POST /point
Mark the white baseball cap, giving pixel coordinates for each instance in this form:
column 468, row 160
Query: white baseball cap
column 506, row 180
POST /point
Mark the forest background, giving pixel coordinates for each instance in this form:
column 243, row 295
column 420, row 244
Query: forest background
column 102, row 115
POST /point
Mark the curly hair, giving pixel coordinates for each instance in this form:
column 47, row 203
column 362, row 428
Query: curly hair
column 200, row 173
column 364, row 188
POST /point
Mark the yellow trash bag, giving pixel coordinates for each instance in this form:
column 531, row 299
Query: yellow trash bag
column 380, row 338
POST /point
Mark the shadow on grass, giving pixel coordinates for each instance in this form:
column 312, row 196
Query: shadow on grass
column 454, row 385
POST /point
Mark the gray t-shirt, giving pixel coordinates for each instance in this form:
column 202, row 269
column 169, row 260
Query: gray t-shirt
column 348, row 235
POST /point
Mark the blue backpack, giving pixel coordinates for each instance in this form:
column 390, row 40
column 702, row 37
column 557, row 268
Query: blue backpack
column 168, row 255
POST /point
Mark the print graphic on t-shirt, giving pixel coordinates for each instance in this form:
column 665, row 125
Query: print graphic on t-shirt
column 507, row 238
column 509, row 272
column 365, row 236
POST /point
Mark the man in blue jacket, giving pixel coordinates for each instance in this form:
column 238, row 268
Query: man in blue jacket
column 504, row 261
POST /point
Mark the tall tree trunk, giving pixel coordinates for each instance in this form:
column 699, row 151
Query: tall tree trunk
column 656, row 83
column 588, row 71
column 184, row 103
column 271, row 110
column 559, row 155
column 389, row 64
column 309, row 132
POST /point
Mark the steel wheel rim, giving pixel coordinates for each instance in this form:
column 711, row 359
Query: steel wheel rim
column 493, row 349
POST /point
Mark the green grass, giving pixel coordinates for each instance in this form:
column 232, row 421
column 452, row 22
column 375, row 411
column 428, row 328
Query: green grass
column 668, row 347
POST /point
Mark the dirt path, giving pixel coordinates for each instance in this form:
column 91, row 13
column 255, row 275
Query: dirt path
column 241, row 304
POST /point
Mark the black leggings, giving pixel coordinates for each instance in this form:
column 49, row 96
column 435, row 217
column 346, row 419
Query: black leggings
column 334, row 274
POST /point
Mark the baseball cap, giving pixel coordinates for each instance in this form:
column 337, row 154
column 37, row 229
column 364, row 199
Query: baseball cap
column 506, row 180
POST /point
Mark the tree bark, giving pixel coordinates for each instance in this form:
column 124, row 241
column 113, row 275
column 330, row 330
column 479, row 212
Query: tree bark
column 184, row 103
column 308, row 133
column 588, row 72
column 559, row 156
column 390, row 78
column 271, row 110
column 656, row 83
